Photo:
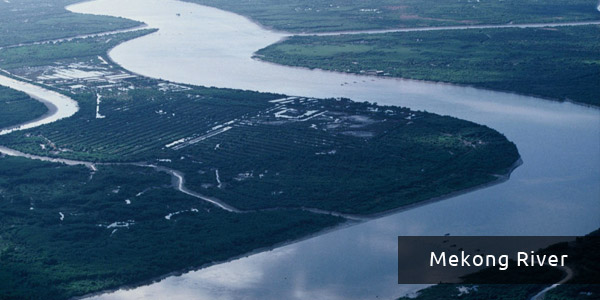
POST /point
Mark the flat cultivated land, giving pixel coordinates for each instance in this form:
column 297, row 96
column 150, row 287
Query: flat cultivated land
column 561, row 63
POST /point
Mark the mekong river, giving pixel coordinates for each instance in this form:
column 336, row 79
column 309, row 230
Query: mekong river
column 555, row 192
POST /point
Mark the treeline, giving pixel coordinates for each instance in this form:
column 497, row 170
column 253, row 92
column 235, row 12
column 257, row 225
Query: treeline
column 293, row 165
column 362, row 158
column 27, row 21
column 557, row 63
column 44, row 257
column 17, row 107
column 344, row 15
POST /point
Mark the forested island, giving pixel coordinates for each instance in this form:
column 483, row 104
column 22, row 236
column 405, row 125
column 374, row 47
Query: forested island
column 286, row 166
column 290, row 166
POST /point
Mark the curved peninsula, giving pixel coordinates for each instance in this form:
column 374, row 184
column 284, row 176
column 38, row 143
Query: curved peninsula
column 533, row 202
column 223, row 139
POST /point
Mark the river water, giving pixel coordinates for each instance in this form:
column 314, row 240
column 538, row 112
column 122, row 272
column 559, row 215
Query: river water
column 555, row 192
column 59, row 106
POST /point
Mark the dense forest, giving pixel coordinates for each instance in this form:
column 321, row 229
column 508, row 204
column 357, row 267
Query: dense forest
column 332, row 154
column 355, row 157
column 66, row 231
column 17, row 107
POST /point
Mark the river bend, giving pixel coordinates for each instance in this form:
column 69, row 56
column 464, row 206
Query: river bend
column 555, row 192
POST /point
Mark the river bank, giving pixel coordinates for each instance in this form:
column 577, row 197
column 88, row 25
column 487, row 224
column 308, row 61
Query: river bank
column 371, row 242
column 59, row 106
column 532, row 202
column 178, row 183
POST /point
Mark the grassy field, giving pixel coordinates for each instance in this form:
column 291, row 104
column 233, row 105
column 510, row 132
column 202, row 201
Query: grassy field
column 584, row 259
column 558, row 63
column 26, row 21
column 340, row 15
column 17, row 107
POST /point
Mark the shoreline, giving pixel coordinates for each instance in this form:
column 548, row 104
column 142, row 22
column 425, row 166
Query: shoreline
column 346, row 224
column 288, row 35
column 81, row 36
column 127, row 287
column 501, row 178
column 60, row 107
column 51, row 109
column 396, row 29
column 259, row 57
column 342, row 225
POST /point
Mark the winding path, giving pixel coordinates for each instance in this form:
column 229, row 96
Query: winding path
column 178, row 183
column 542, row 293
column 450, row 216
column 61, row 106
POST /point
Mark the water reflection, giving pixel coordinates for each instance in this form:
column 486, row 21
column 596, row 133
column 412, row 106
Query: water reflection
column 555, row 192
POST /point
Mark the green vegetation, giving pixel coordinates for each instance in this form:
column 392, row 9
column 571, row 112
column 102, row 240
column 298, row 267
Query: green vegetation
column 354, row 157
column 330, row 154
column 477, row 292
column 342, row 15
column 26, row 21
column 557, row 63
column 66, row 231
column 586, row 255
column 584, row 260
column 40, row 55
column 16, row 107
column 103, row 242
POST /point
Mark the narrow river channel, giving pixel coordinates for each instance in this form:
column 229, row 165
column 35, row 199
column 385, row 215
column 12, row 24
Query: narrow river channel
column 59, row 106
column 555, row 192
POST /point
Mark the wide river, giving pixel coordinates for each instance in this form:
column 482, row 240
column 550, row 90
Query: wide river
column 555, row 192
